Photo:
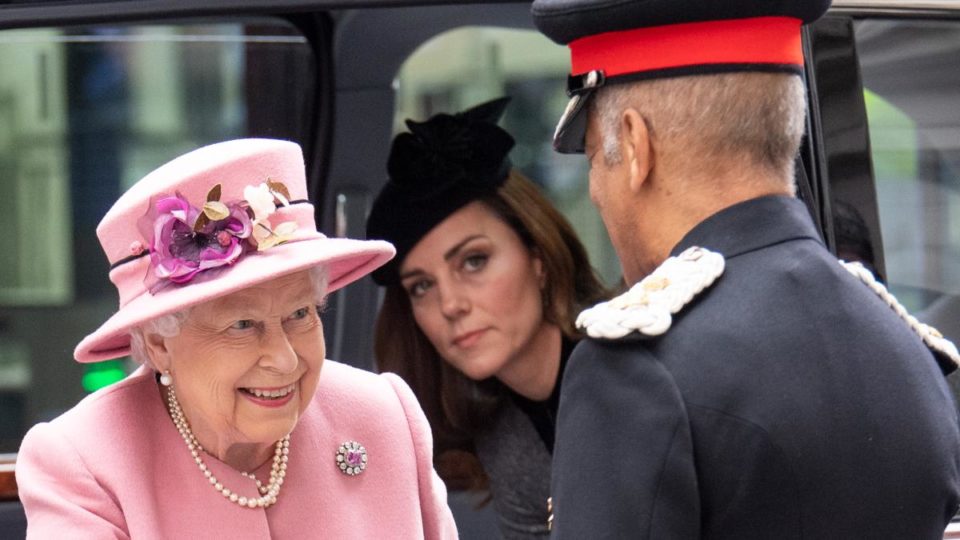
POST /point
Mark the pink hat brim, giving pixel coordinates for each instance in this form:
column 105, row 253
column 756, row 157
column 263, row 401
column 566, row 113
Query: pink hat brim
column 346, row 261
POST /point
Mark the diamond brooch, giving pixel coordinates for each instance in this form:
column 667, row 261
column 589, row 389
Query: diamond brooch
column 351, row 458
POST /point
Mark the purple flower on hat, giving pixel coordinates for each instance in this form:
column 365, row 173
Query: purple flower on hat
column 184, row 243
column 187, row 240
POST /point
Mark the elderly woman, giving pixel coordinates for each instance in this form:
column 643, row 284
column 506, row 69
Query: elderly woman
column 228, row 429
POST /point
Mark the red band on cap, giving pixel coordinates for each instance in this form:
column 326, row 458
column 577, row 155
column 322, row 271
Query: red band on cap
column 760, row 40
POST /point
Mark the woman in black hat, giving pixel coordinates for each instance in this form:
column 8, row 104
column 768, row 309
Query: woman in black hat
column 480, row 303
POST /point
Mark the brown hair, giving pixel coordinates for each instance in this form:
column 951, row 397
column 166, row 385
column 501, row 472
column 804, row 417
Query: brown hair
column 455, row 405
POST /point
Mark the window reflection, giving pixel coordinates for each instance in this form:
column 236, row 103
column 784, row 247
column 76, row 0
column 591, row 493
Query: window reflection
column 911, row 73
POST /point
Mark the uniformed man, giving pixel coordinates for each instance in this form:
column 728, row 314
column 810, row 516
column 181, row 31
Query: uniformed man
column 749, row 385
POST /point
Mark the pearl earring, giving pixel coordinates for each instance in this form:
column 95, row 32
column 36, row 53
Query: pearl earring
column 166, row 379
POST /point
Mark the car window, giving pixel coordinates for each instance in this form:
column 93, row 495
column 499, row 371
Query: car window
column 84, row 113
column 911, row 78
column 466, row 66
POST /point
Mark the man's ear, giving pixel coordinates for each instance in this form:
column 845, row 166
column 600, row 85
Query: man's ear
column 638, row 150
column 157, row 351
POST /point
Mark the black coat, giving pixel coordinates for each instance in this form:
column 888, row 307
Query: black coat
column 786, row 401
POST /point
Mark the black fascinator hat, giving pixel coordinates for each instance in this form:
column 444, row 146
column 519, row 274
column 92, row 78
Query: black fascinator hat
column 437, row 168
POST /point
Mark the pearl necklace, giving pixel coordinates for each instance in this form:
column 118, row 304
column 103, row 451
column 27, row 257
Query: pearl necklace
column 268, row 494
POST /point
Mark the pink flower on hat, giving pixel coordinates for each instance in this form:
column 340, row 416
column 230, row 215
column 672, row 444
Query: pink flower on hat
column 262, row 201
column 187, row 241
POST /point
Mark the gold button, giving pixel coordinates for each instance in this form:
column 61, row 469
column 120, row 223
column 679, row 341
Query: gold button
column 550, row 511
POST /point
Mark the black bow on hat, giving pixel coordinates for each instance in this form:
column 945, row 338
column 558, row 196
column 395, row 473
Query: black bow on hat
column 439, row 166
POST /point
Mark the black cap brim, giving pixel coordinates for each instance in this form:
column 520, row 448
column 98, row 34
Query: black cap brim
column 570, row 135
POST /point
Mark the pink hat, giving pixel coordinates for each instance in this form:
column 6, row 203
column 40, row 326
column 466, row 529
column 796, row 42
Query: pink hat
column 214, row 221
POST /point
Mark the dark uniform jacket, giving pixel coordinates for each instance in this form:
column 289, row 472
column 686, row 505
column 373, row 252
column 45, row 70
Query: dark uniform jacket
column 785, row 401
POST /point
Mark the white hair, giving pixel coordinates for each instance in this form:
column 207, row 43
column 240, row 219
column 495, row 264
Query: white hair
column 712, row 118
column 169, row 325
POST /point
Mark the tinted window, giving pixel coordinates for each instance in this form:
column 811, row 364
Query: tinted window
column 911, row 79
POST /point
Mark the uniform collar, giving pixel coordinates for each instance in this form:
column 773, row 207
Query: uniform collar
column 752, row 225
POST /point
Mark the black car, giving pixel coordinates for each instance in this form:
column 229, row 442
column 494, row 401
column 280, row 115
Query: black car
column 93, row 94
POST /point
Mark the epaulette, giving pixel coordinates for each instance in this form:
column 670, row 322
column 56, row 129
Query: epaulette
column 648, row 306
column 942, row 347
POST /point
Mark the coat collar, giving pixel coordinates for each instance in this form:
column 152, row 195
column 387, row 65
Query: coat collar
column 751, row 225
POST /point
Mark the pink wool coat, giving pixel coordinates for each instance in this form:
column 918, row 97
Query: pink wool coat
column 114, row 466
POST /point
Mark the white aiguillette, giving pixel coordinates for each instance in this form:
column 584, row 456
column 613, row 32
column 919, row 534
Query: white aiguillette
column 648, row 306
column 931, row 337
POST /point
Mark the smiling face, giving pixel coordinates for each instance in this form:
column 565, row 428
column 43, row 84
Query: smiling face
column 246, row 365
column 475, row 289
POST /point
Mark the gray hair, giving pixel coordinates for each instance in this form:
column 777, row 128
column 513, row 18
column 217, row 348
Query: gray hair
column 712, row 119
column 169, row 325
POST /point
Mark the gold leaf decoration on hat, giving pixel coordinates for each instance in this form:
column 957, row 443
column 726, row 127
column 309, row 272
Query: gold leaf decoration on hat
column 278, row 188
column 267, row 238
column 214, row 193
column 215, row 210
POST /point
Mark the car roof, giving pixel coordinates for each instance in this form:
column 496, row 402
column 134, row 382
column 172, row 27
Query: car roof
column 32, row 13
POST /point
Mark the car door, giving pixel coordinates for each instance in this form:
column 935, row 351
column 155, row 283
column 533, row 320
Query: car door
column 92, row 96
column 886, row 99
